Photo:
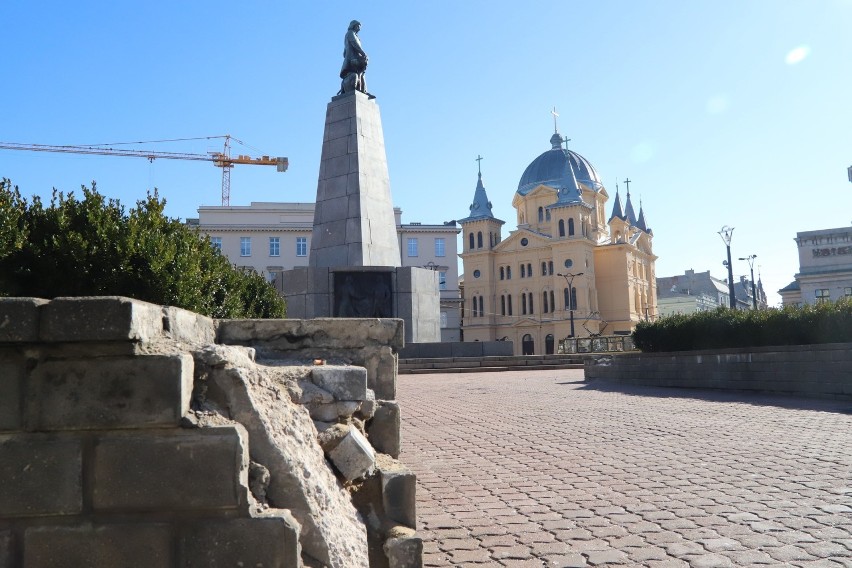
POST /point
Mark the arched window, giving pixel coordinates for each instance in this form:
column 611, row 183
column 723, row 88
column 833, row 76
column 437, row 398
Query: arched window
column 502, row 273
column 573, row 298
column 552, row 302
column 550, row 268
column 544, row 302
column 547, row 214
column 532, row 311
column 570, row 227
column 548, row 344
column 509, row 302
column 543, row 268
column 471, row 241
column 481, row 310
column 561, row 228
column 479, row 239
column 567, row 299
column 473, row 307
column 529, row 269
column 508, row 273
column 523, row 303
column 541, row 214
column 523, row 271
column 502, row 305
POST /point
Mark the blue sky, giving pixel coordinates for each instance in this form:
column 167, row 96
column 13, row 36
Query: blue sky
column 731, row 112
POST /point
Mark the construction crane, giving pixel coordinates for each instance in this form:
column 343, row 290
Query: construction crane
column 221, row 159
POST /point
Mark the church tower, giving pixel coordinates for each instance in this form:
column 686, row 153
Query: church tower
column 481, row 233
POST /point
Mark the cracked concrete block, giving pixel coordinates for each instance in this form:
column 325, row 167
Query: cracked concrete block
column 345, row 383
column 368, row 407
column 404, row 551
column 384, row 428
column 353, row 456
column 399, row 487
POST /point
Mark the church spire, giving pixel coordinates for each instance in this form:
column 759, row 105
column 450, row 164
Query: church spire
column 616, row 207
column 640, row 223
column 480, row 208
column 628, row 207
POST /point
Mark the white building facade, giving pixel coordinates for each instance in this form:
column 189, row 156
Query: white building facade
column 272, row 237
column 825, row 268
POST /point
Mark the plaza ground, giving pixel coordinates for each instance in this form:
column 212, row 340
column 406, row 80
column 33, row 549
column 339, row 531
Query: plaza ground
column 539, row 468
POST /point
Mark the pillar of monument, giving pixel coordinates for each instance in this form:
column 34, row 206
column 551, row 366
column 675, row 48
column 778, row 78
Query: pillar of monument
column 354, row 223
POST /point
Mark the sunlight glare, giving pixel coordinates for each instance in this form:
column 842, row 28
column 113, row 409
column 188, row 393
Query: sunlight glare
column 797, row 55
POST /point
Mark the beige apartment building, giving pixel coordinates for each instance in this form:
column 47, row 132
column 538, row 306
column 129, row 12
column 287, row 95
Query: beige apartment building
column 825, row 268
column 273, row 237
column 567, row 268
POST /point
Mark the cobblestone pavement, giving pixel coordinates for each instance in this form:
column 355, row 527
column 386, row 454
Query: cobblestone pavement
column 537, row 468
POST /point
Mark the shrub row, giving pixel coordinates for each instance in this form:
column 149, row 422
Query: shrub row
column 94, row 247
column 724, row 328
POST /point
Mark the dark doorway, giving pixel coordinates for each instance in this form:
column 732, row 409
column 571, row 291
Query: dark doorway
column 528, row 345
column 548, row 344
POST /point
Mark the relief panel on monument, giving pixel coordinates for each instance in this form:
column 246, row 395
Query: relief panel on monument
column 363, row 295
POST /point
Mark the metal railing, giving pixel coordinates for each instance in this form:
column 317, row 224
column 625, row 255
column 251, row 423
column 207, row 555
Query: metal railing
column 601, row 344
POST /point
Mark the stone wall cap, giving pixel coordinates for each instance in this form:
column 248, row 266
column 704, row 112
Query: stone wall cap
column 100, row 318
column 19, row 319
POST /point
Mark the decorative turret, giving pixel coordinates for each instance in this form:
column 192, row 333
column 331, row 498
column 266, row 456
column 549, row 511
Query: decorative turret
column 640, row 223
column 629, row 213
column 480, row 208
column 616, row 207
column 482, row 228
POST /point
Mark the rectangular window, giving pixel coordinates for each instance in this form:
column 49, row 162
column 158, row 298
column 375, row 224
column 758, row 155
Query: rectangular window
column 245, row 246
column 443, row 320
column 217, row 243
column 301, row 246
column 821, row 295
column 412, row 247
column 440, row 247
column 274, row 246
column 442, row 280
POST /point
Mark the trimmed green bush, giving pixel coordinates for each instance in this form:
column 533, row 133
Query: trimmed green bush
column 724, row 328
column 93, row 247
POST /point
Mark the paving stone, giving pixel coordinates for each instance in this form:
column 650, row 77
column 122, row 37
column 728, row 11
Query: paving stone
column 635, row 470
column 710, row 561
column 606, row 557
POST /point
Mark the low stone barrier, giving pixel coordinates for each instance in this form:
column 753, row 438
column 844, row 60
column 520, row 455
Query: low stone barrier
column 457, row 349
column 819, row 371
column 132, row 435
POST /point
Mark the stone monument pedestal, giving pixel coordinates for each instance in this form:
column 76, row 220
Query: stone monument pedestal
column 407, row 293
column 354, row 265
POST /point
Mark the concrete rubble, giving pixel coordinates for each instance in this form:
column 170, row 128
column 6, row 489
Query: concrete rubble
column 269, row 458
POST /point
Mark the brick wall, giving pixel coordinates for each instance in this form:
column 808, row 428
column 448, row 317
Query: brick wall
column 819, row 371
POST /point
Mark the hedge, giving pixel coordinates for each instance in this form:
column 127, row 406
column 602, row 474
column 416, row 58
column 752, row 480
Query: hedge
column 829, row 322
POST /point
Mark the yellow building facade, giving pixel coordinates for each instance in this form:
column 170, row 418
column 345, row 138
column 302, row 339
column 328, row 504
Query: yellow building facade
column 568, row 269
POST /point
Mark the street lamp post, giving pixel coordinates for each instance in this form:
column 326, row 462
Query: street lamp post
column 569, row 278
column 726, row 234
column 750, row 258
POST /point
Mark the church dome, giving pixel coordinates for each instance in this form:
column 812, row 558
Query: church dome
column 550, row 168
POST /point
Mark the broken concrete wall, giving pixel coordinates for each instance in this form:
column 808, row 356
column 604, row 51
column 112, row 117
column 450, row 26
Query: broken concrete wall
column 129, row 437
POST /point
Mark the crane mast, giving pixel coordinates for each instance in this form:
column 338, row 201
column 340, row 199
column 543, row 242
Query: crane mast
column 220, row 159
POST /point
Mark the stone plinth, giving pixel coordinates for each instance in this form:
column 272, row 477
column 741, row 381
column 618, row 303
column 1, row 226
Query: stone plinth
column 354, row 223
column 315, row 292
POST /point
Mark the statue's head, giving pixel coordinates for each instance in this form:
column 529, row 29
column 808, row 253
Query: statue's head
column 355, row 25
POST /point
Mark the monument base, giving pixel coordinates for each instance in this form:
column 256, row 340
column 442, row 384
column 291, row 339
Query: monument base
column 407, row 293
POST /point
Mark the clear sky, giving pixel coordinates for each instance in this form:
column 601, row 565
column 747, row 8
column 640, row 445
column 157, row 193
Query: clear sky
column 725, row 112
